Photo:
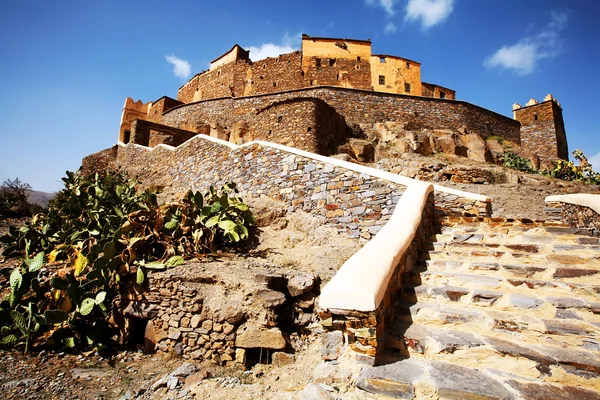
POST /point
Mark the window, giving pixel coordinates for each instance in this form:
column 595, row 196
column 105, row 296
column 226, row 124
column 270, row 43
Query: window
column 407, row 87
column 535, row 117
column 331, row 62
column 277, row 60
column 312, row 83
column 357, row 58
column 274, row 84
column 442, row 95
column 318, row 62
column 126, row 136
column 279, row 119
column 381, row 79
column 219, row 73
column 264, row 66
column 382, row 60
column 309, row 129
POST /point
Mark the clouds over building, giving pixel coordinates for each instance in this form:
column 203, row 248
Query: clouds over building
column 428, row 13
column 288, row 44
column 523, row 56
column 181, row 68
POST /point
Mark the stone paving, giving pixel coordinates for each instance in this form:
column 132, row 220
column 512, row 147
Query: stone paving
column 496, row 309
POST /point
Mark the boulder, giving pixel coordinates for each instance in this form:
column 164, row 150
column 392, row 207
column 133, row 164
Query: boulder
column 270, row 298
column 149, row 338
column 332, row 345
column 250, row 336
column 363, row 150
column 300, row 284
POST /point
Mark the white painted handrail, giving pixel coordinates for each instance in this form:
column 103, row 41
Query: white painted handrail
column 361, row 282
column 580, row 199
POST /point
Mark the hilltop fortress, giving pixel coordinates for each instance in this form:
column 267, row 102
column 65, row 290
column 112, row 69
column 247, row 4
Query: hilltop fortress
column 335, row 91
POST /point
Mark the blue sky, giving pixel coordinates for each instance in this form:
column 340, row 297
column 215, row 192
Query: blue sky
column 66, row 67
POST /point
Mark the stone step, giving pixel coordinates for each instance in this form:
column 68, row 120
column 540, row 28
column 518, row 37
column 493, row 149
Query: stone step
column 512, row 230
column 586, row 285
column 482, row 242
column 497, row 322
column 485, row 255
column 520, row 237
column 430, row 342
column 401, row 379
column 561, row 305
column 507, row 270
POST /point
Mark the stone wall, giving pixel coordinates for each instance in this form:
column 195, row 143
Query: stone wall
column 576, row 216
column 366, row 331
column 101, row 161
column 356, row 106
column 304, row 123
column 354, row 203
column 146, row 133
column 220, row 311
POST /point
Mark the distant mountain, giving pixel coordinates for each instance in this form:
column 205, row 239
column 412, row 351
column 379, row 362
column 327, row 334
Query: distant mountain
column 40, row 198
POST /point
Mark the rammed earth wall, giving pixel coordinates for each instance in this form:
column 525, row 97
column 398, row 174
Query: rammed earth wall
column 355, row 203
column 357, row 106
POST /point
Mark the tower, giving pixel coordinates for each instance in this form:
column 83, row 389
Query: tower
column 542, row 129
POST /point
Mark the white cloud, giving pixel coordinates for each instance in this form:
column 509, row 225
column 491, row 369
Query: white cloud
column 428, row 12
column 595, row 161
column 390, row 28
column 181, row 68
column 523, row 56
column 387, row 5
column 289, row 43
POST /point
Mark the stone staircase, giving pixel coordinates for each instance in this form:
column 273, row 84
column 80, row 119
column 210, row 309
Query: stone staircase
column 496, row 308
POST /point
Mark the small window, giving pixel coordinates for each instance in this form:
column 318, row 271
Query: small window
column 277, row 60
column 331, row 62
column 381, row 79
column 407, row 87
column 309, row 129
column 318, row 62
column 535, row 117
column 312, row 83
column 279, row 119
column 274, row 84
column 382, row 60
column 357, row 58
column 358, row 67
column 407, row 65
column 126, row 137
column 219, row 73
column 442, row 95
column 264, row 66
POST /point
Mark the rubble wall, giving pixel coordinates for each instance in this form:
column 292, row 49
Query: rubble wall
column 356, row 106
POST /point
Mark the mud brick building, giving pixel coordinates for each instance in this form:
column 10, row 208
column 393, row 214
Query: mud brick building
column 332, row 90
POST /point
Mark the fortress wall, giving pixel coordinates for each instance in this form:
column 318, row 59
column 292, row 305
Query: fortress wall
column 345, row 72
column 276, row 74
column 355, row 203
column 357, row 107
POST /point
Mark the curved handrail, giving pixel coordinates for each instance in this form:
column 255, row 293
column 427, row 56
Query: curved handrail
column 362, row 281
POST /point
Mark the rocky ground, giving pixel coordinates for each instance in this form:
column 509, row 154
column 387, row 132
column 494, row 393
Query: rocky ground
column 514, row 194
column 292, row 242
